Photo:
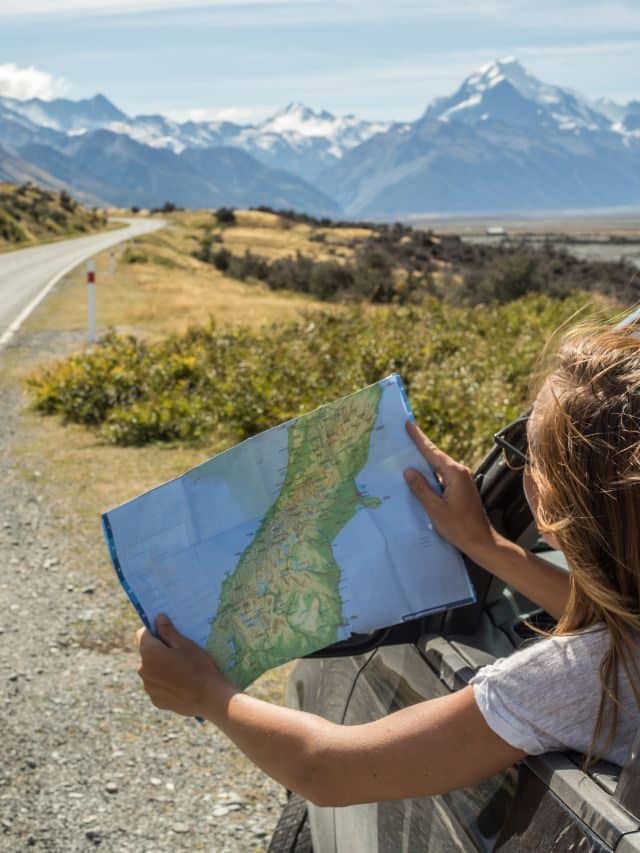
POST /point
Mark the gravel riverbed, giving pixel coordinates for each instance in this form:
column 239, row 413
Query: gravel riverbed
column 85, row 759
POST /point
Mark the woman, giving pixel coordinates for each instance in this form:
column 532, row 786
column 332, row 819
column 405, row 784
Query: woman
column 578, row 688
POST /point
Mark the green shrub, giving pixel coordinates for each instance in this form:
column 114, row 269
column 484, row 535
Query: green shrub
column 10, row 230
column 205, row 251
column 466, row 370
column 135, row 256
column 67, row 202
column 164, row 261
column 225, row 216
column 248, row 266
column 459, row 272
column 221, row 259
column 29, row 214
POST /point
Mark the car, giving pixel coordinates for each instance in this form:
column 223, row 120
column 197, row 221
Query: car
column 545, row 803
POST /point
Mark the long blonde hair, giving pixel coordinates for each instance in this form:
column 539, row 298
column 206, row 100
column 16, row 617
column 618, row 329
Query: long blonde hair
column 585, row 462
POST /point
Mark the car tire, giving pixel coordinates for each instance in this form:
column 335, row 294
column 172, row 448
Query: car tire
column 292, row 833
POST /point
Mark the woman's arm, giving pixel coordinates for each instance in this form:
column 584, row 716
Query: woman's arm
column 458, row 515
column 538, row 580
column 428, row 748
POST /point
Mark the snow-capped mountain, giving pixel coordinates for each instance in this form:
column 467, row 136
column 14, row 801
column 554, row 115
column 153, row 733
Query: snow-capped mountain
column 295, row 138
column 503, row 140
column 505, row 91
column 300, row 126
column 302, row 140
column 631, row 118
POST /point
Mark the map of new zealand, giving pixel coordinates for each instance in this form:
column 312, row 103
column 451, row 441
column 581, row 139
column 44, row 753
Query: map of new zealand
column 291, row 541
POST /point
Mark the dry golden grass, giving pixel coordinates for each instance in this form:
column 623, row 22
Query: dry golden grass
column 172, row 290
column 269, row 235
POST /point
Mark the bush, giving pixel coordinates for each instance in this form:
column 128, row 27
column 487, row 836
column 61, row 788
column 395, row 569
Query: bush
column 466, row 370
column 225, row 216
column 370, row 278
column 67, row 202
column 29, row 214
column 135, row 256
column 397, row 264
column 167, row 207
column 10, row 230
column 221, row 259
column 205, row 251
column 248, row 266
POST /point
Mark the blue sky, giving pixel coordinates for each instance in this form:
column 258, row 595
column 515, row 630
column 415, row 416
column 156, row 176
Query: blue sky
column 243, row 60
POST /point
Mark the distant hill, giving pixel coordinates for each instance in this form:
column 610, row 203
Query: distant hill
column 503, row 141
column 29, row 215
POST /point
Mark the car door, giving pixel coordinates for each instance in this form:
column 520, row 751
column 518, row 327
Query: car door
column 446, row 652
column 464, row 820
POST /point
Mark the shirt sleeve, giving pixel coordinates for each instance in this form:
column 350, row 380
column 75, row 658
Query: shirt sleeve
column 542, row 698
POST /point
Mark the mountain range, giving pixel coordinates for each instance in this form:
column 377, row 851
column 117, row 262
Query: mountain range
column 503, row 141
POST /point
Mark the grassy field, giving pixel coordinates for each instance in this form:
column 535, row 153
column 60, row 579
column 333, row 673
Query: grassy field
column 167, row 291
column 159, row 287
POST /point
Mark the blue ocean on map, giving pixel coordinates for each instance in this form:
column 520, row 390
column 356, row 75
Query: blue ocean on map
column 176, row 543
column 407, row 578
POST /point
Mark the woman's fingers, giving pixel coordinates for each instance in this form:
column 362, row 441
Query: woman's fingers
column 436, row 457
column 169, row 634
column 430, row 500
column 422, row 490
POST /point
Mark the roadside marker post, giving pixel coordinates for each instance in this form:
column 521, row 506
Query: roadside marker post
column 91, row 301
column 112, row 262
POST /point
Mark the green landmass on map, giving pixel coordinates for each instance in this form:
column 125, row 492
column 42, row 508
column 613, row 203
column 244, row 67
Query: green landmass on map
column 283, row 599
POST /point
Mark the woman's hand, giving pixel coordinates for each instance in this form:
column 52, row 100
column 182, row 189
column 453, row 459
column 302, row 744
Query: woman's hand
column 178, row 675
column 457, row 514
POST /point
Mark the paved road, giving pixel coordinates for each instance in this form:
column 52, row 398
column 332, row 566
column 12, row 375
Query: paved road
column 27, row 275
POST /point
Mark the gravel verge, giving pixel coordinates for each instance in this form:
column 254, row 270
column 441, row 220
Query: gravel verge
column 85, row 759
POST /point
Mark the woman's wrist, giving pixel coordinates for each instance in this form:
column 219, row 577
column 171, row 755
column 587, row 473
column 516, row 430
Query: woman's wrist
column 217, row 694
column 486, row 551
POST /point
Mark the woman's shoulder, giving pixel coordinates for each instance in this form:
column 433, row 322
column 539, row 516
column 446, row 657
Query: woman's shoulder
column 553, row 660
column 544, row 696
column 571, row 647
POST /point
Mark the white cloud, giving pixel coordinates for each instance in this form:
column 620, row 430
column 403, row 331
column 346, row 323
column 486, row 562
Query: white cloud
column 29, row 82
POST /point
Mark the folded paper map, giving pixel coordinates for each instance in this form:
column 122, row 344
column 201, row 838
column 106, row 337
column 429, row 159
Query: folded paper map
column 292, row 540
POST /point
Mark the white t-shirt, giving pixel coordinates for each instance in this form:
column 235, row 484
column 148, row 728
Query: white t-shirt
column 545, row 697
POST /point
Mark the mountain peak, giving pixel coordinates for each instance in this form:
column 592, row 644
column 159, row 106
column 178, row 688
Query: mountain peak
column 101, row 100
column 297, row 108
column 506, row 91
column 493, row 72
column 298, row 118
column 513, row 72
